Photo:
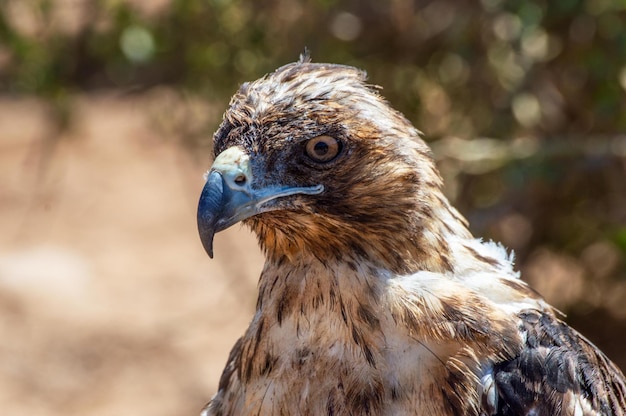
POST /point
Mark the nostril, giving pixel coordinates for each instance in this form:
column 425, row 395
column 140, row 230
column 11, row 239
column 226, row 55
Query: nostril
column 240, row 180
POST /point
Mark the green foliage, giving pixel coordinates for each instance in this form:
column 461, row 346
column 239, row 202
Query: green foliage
column 620, row 239
column 491, row 68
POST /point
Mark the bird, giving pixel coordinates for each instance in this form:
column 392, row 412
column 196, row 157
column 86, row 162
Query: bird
column 375, row 298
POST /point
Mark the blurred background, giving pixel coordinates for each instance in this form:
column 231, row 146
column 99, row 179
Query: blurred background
column 108, row 303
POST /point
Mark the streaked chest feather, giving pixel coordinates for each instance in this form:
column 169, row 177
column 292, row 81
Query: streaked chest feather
column 349, row 340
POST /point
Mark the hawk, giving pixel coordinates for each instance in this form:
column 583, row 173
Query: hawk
column 375, row 299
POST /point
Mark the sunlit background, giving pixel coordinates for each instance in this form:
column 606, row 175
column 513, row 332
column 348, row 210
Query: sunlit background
column 108, row 303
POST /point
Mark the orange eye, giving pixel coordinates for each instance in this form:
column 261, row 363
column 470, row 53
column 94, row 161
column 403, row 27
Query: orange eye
column 323, row 148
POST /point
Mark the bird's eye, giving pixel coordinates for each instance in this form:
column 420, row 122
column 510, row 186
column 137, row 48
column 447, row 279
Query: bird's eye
column 323, row 148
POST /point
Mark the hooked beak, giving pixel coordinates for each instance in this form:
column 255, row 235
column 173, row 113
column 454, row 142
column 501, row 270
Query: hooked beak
column 228, row 196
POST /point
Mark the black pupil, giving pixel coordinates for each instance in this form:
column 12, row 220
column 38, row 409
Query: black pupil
column 320, row 148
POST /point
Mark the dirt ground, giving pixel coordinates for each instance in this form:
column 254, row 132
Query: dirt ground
column 108, row 303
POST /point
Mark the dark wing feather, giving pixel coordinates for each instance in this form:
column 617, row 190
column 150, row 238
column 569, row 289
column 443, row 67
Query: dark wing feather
column 558, row 372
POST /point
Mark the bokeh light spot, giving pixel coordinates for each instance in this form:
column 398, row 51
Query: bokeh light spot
column 346, row 26
column 137, row 44
column 622, row 77
column 527, row 109
column 507, row 27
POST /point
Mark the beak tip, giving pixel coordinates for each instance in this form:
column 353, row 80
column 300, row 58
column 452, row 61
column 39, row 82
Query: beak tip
column 206, row 236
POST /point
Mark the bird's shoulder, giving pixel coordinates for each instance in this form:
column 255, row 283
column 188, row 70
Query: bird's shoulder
column 534, row 363
column 556, row 372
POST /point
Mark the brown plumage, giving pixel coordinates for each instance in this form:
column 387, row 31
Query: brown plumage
column 375, row 298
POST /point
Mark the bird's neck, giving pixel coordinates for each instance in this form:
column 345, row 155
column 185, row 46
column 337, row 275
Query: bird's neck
column 303, row 286
column 313, row 315
column 434, row 240
column 401, row 243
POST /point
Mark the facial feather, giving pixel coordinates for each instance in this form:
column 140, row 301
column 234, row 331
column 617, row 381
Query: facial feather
column 382, row 195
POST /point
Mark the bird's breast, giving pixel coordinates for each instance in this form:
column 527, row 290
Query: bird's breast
column 322, row 342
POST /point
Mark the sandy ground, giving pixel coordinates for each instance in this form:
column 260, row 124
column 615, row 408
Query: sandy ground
column 108, row 303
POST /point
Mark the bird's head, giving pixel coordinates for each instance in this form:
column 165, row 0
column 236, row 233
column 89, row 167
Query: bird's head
column 317, row 163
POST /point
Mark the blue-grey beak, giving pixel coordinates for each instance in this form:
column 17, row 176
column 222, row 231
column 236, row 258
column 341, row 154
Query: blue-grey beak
column 228, row 196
